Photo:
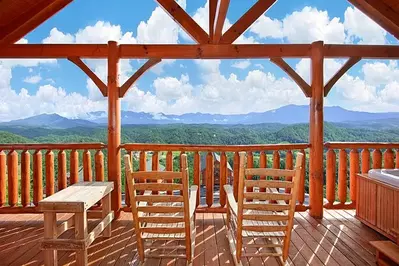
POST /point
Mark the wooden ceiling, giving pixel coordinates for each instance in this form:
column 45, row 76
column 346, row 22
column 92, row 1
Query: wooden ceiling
column 19, row 17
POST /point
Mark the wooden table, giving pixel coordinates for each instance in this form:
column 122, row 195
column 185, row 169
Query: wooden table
column 76, row 199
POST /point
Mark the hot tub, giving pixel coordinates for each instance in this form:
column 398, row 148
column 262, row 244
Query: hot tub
column 389, row 176
column 377, row 200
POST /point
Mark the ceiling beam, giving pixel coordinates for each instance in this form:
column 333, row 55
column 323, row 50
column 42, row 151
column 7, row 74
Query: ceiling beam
column 99, row 83
column 220, row 16
column 28, row 21
column 128, row 83
column 350, row 63
column 305, row 87
column 197, row 51
column 181, row 17
column 381, row 13
column 244, row 22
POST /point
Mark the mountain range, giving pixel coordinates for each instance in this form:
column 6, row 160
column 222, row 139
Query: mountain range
column 289, row 114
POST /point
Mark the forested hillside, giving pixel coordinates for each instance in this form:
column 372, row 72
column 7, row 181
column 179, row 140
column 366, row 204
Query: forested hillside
column 197, row 134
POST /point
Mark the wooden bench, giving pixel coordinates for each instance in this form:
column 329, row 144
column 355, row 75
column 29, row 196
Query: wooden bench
column 76, row 199
column 387, row 252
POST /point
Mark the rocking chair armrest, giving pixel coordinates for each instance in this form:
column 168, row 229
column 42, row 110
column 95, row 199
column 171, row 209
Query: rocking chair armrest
column 230, row 198
column 193, row 199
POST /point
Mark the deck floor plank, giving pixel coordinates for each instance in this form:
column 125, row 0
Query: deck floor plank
column 338, row 239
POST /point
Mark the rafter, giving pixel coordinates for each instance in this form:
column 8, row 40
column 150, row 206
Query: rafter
column 128, row 83
column 220, row 16
column 305, row 87
column 184, row 20
column 350, row 63
column 28, row 21
column 381, row 13
column 101, row 85
column 244, row 22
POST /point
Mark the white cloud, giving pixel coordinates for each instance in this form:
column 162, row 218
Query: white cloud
column 241, row 64
column 310, row 24
column 266, row 27
column 33, row 79
column 360, row 28
column 169, row 88
column 57, row 36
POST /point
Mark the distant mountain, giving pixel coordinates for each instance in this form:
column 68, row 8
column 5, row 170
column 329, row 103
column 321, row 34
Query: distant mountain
column 289, row 114
column 50, row 121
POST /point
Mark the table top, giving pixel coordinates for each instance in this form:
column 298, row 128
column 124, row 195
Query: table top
column 77, row 198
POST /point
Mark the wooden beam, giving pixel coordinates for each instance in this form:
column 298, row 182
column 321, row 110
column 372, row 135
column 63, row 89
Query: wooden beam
column 184, row 20
column 54, row 51
column 28, row 21
column 128, row 83
column 114, row 127
column 220, row 16
column 305, row 87
column 350, row 63
column 99, row 83
column 381, row 13
column 244, row 22
column 213, row 4
column 316, row 133
column 196, row 51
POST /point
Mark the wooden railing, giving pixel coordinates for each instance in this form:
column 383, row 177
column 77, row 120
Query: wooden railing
column 280, row 154
column 30, row 172
column 354, row 158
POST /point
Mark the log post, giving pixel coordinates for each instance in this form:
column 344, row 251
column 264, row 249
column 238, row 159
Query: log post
column 114, row 126
column 316, row 131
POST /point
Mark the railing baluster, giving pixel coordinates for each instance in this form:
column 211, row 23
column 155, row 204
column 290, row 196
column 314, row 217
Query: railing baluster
column 143, row 165
column 12, row 165
column 197, row 174
column 342, row 176
column 397, row 159
column 388, row 159
column 330, row 176
column 276, row 162
column 250, row 164
column 236, row 170
column 49, row 173
column 25, row 178
column 37, row 177
column 155, row 167
column 127, row 195
column 377, row 159
column 223, row 178
column 365, row 161
column 169, row 167
column 289, row 161
column 353, row 169
column 74, row 167
column 99, row 165
column 3, row 173
column 62, row 169
column 209, row 179
column 262, row 164
column 301, row 190
column 87, row 170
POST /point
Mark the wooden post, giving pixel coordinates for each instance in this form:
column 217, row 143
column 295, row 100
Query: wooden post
column 114, row 126
column 316, row 131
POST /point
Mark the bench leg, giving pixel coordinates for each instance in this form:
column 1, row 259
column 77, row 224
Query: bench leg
column 106, row 208
column 81, row 234
column 50, row 232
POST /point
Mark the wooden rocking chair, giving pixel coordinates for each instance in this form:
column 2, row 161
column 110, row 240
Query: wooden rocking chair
column 163, row 212
column 263, row 214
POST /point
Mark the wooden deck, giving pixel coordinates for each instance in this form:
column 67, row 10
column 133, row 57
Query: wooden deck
column 338, row 239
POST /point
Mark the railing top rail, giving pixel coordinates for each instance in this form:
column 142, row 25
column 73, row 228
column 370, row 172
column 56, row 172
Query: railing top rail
column 212, row 148
column 361, row 145
column 53, row 146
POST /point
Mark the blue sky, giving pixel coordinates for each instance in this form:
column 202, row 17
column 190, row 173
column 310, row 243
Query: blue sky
column 183, row 86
